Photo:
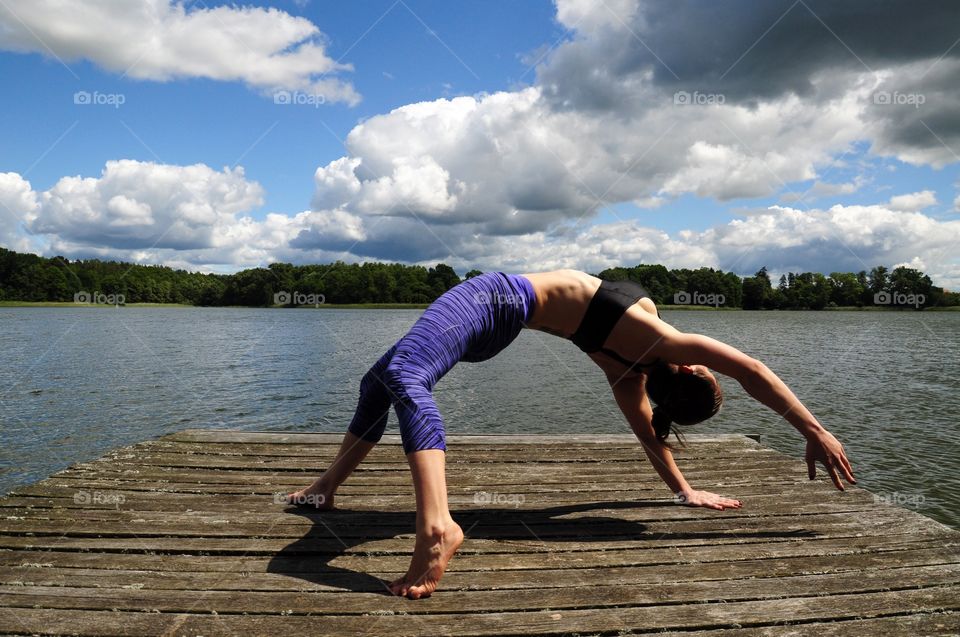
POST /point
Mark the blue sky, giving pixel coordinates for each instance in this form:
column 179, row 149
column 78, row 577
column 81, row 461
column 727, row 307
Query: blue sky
column 565, row 147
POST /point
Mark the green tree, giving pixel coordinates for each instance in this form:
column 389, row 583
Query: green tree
column 441, row 278
column 757, row 291
column 846, row 289
column 879, row 281
column 906, row 282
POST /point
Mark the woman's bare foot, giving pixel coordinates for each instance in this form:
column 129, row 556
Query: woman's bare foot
column 431, row 554
column 317, row 494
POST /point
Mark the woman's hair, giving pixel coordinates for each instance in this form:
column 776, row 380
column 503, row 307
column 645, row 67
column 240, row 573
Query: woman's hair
column 682, row 398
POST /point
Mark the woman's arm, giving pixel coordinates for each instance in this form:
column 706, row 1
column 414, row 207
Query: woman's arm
column 767, row 388
column 633, row 402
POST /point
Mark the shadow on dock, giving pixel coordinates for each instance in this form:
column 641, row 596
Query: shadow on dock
column 309, row 558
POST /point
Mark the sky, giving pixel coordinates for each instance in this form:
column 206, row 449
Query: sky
column 526, row 136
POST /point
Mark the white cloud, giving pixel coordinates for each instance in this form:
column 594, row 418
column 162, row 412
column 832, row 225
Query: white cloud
column 650, row 202
column 18, row 203
column 587, row 16
column 143, row 205
column 199, row 218
column 821, row 189
column 845, row 238
column 512, row 164
column 267, row 49
column 415, row 182
column 914, row 201
column 916, row 263
column 840, row 238
column 185, row 216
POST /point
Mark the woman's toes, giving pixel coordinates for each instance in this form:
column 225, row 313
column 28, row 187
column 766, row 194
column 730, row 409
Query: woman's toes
column 418, row 592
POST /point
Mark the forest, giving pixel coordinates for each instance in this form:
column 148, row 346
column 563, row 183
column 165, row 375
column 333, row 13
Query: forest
column 32, row 278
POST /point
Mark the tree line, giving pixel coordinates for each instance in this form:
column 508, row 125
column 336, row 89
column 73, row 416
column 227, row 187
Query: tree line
column 900, row 287
column 29, row 277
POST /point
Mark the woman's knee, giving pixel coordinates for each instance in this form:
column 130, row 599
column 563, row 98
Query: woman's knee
column 372, row 381
column 421, row 426
column 397, row 381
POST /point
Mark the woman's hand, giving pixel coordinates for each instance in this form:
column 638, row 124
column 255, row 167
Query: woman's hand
column 823, row 447
column 706, row 499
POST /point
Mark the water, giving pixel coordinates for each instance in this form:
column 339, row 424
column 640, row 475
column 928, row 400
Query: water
column 76, row 382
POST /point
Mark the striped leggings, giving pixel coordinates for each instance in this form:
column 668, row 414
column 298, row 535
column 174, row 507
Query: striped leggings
column 470, row 322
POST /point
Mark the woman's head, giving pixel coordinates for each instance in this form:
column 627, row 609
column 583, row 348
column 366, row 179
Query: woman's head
column 684, row 394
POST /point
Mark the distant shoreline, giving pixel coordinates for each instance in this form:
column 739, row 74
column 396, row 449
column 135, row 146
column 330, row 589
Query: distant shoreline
column 420, row 306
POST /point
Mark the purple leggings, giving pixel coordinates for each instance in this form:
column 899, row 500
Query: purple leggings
column 471, row 322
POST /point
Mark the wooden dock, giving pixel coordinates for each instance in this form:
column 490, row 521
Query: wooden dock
column 185, row 535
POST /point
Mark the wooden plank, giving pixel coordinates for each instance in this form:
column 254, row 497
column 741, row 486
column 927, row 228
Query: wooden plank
column 285, row 438
column 225, row 466
column 478, row 555
column 117, row 495
column 178, row 577
column 468, row 563
column 84, row 489
column 480, row 451
column 543, row 622
column 943, row 623
column 502, row 536
column 600, row 512
column 294, row 462
column 640, row 471
column 601, row 595
column 637, row 471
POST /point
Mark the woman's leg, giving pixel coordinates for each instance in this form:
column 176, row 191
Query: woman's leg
column 438, row 536
column 365, row 430
column 320, row 493
column 424, row 355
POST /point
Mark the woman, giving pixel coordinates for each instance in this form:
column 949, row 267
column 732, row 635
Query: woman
column 616, row 324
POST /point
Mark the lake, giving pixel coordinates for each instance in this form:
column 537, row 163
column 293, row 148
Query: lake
column 76, row 382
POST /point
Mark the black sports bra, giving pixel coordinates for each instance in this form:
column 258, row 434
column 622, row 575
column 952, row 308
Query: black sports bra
column 606, row 307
